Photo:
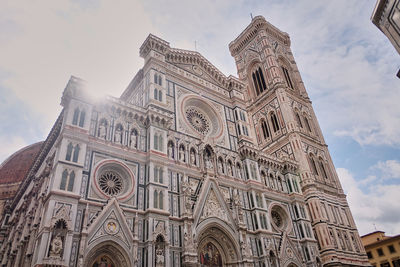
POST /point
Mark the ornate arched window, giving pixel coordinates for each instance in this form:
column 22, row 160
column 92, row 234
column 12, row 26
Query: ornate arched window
column 155, row 174
column 264, row 128
column 298, row 120
column 158, row 141
column 76, row 116
column 156, row 78
column 156, row 93
column 69, row 152
column 155, row 199
column 287, row 78
column 64, row 178
column 259, row 80
column 221, row 166
column 274, row 121
column 307, row 123
column 322, row 168
column 76, row 153
column 67, row 181
column 160, row 200
column 159, row 80
column 160, row 175
column 313, row 165
column 82, row 118
column 71, row 181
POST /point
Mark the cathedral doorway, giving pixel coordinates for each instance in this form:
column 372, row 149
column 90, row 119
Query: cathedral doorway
column 107, row 254
column 216, row 248
column 210, row 255
column 103, row 261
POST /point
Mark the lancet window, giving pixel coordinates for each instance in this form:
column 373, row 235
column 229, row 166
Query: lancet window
column 287, row 78
column 67, row 180
column 79, row 117
column 274, row 120
column 259, row 81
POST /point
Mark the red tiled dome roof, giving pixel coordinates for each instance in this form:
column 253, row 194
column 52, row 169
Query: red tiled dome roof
column 15, row 167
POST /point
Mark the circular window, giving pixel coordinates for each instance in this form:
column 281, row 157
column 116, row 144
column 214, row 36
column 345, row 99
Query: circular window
column 279, row 218
column 110, row 183
column 276, row 218
column 198, row 120
column 201, row 117
column 114, row 179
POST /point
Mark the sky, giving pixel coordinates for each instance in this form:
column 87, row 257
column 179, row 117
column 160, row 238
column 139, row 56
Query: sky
column 348, row 67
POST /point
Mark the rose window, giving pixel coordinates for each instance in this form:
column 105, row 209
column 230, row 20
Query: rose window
column 110, row 183
column 276, row 218
column 198, row 120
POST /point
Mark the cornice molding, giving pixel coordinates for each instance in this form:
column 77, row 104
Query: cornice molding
column 258, row 23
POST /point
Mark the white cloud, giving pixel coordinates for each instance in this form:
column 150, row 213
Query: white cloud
column 347, row 64
column 379, row 207
column 389, row 168
column 55, row 39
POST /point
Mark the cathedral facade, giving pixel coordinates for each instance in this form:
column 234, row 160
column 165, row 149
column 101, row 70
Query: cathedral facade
column 188, row 167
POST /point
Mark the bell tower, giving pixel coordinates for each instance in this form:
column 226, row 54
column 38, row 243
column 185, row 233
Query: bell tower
column 286, row 127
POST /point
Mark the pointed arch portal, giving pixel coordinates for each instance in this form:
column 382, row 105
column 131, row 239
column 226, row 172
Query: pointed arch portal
column 107, row 254
column 216, row 248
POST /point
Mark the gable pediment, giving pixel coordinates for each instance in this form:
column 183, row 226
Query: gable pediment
column 198, row 65
column 111, row 222
column 289, row 252
column 200, row 72
column 212, row 205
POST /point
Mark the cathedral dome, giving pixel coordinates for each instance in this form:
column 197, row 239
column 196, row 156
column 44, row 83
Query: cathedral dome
column 16, row 166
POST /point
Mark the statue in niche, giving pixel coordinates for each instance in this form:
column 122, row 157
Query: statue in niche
column 49, row 166
column 239, row 172
column 229, row 169
column 238, row 204
column 187, row 194
column 102, row 130
column 220, row 167
column 159, row 251
column 188, row 240
column 171, row 150
column 207, row 160
column 133, row 143
column 160, row 257
column 182, row 153
column 56, row 246
column 118, row 135
column 193, row 157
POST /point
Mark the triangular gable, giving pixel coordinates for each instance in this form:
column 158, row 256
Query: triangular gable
column 212, row 205
column 197, row 64
column 111, row 222
column 199, row 71
column 288, row 251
